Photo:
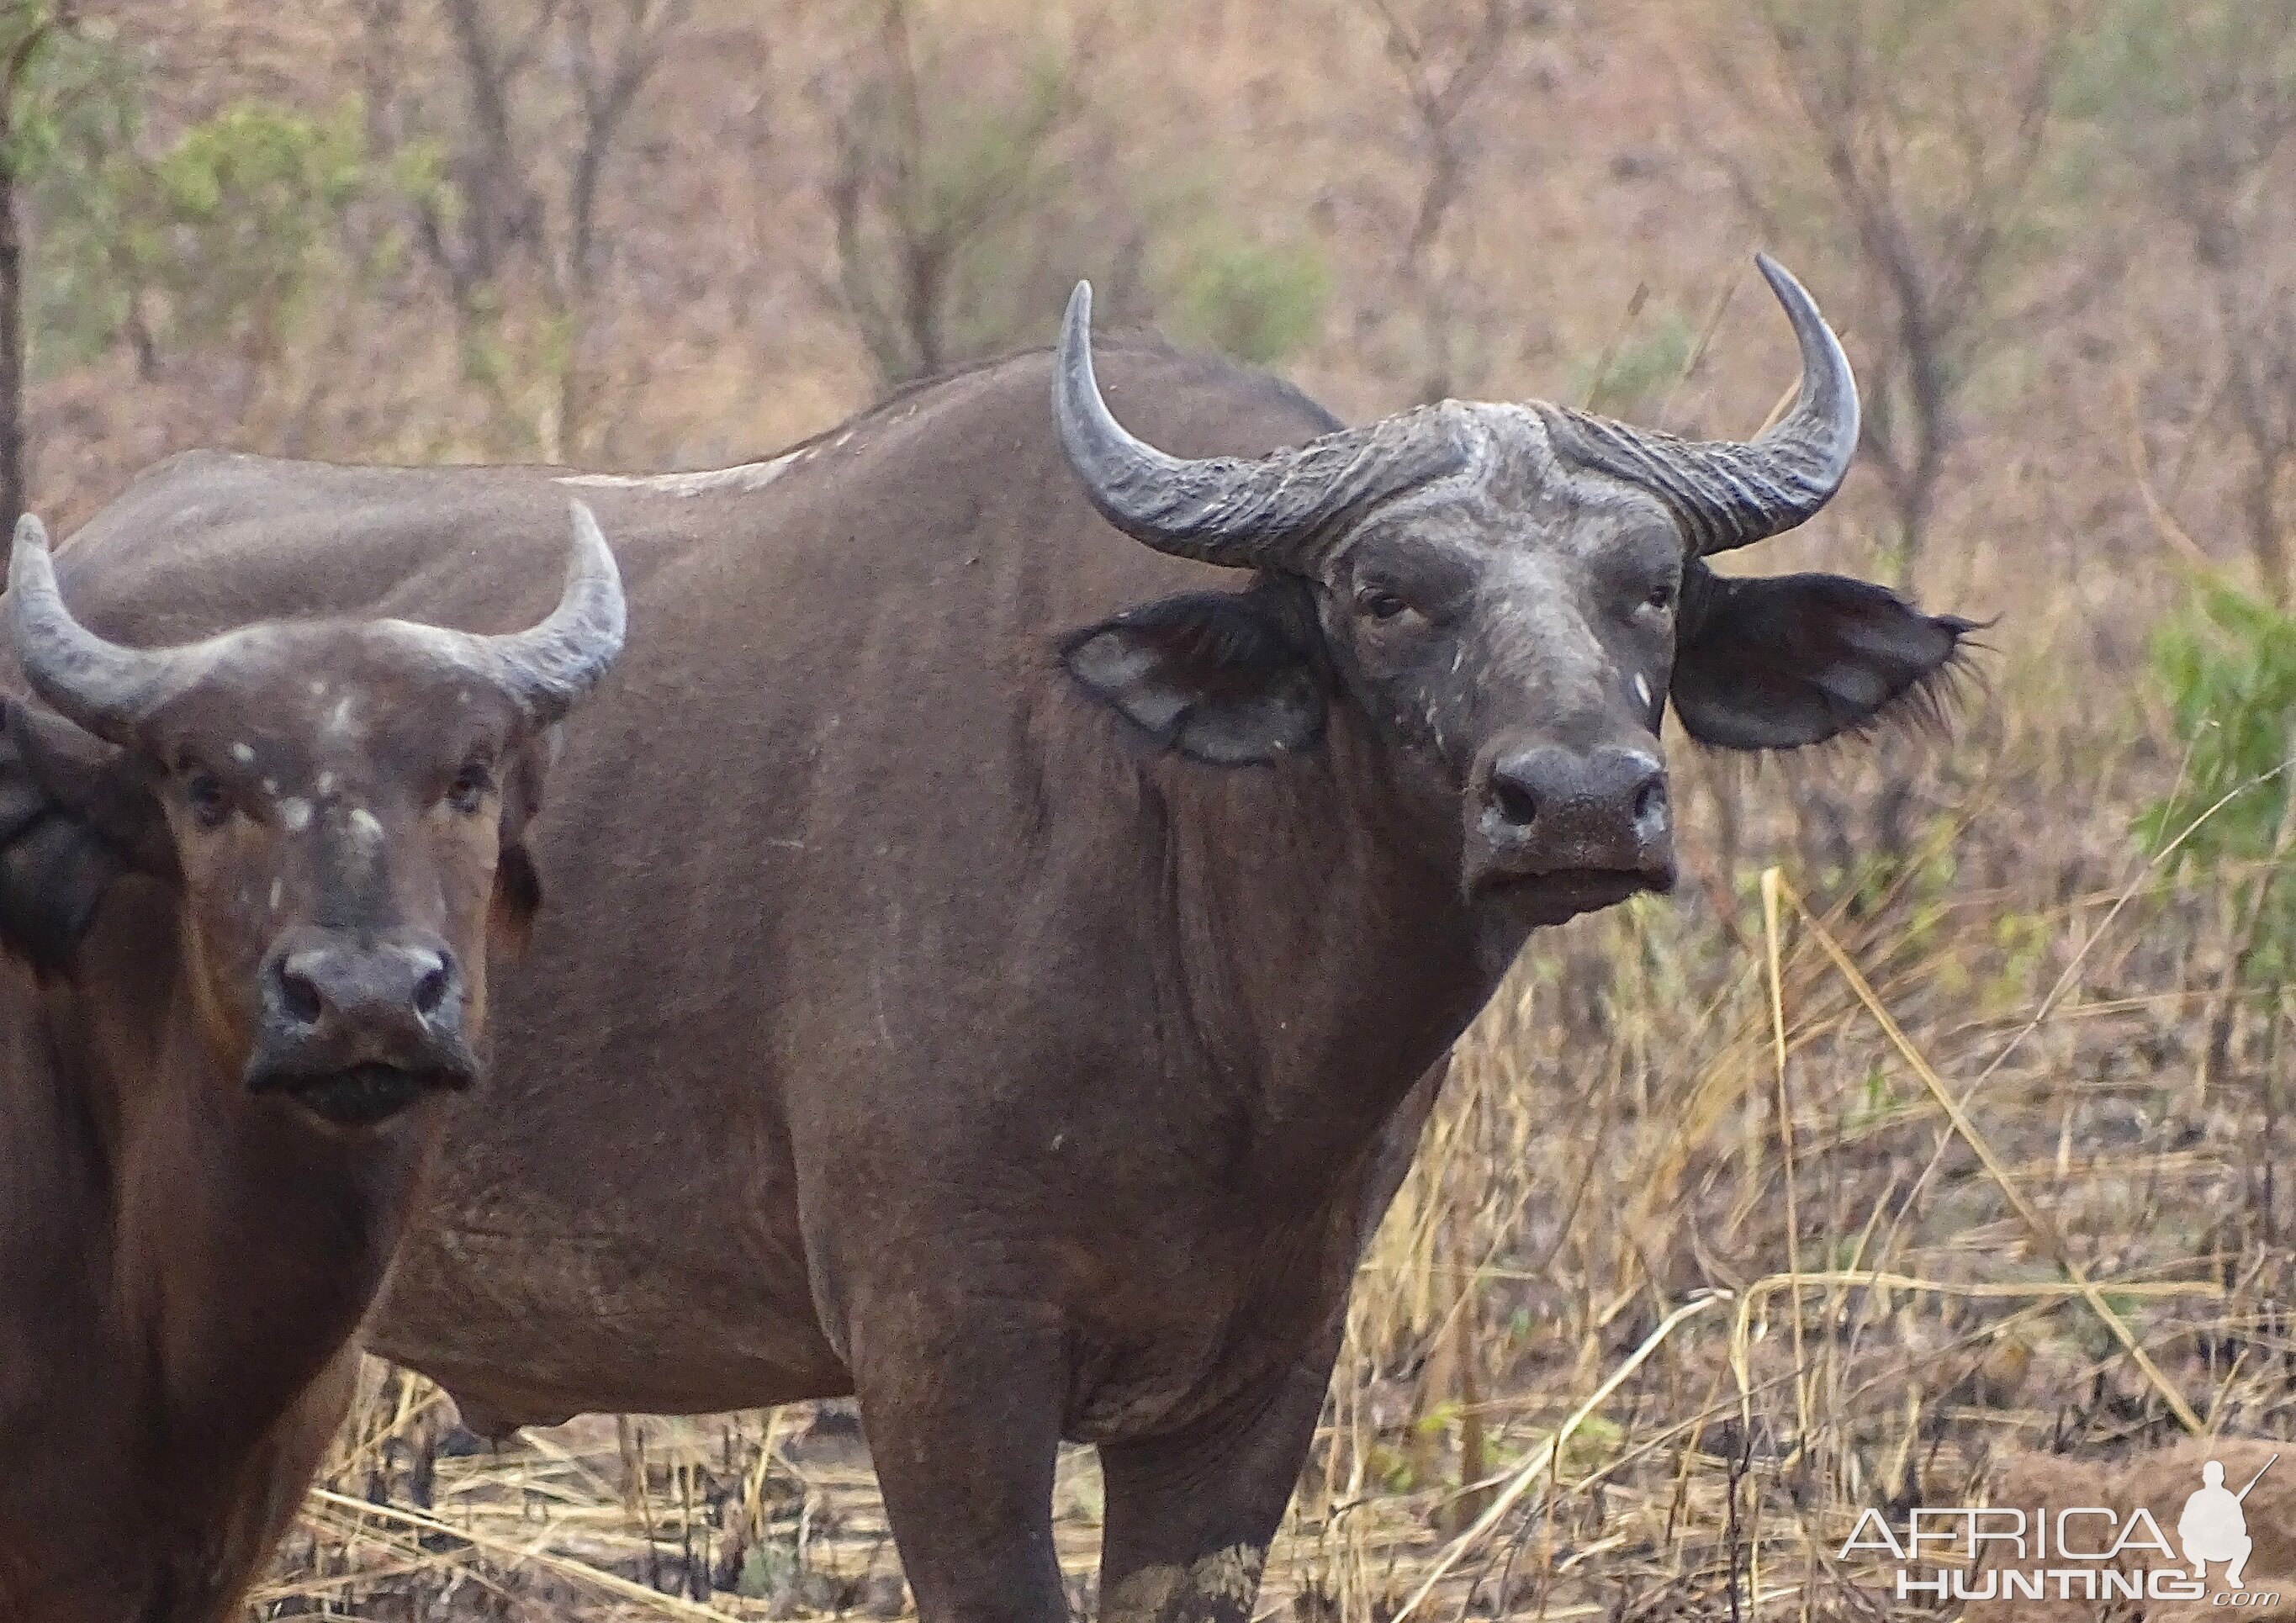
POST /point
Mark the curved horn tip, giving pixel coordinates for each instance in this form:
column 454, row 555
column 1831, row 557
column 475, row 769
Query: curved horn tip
column 1783, row 282
column 1809, row 324
column 27, row 557
column 590, row 563
column 590, row 551
column 1076, row 339
column 1088, row 432
column 103, row 687
column 1829, row 386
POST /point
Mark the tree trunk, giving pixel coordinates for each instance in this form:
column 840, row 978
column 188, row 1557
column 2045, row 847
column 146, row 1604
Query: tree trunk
column 12, row 495
column 37, row 19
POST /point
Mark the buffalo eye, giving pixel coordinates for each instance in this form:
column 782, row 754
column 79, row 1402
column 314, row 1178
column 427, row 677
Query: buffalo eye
column 1379, row 603
column 472, row 786
column 1660, row 597
column 204, row 794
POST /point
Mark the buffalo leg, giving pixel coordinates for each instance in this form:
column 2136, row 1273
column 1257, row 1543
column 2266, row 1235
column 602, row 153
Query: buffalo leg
column 964, row 1425
column 1190, row 1516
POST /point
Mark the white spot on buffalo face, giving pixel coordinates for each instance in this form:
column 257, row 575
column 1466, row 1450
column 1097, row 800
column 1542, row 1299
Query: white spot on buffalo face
column 278, row 887
column 326, row 782
column 295, row 814
column 365, row 825
column 1642, row 687
column 338, row 719
column 319, row 687
column 242, row 753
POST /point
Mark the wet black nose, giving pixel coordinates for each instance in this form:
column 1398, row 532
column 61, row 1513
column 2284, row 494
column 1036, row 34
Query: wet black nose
column 356, row 1029
column 1551, row 809
column 382, row 987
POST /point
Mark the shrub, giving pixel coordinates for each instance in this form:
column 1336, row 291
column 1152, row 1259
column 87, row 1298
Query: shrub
column 1258, row 302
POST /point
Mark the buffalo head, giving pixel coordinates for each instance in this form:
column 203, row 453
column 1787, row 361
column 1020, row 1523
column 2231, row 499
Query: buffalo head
column 1510, row 595
column 340, row 802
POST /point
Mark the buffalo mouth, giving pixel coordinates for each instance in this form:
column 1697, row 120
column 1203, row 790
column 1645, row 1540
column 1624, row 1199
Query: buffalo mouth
column 360, row 1095
column 1539, row 899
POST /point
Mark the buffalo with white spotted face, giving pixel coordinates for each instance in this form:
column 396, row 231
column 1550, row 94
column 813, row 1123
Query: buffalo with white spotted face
column 247, row 892
column 336, row 838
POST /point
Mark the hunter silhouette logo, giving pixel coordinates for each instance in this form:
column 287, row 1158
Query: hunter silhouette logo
column 2214, row 1527
column 2074, row 1553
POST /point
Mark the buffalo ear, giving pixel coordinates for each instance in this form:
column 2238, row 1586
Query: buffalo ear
column 1219, row 676
column 518, row 883
column 76, row 813
column 113, row 792
column 1772, row 662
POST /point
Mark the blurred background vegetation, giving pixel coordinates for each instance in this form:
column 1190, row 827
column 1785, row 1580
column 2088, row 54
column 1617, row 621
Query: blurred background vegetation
column 2059, row 237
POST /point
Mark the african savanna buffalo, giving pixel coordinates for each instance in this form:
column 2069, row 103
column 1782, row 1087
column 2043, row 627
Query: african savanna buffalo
column 1002, row 917
column 246, row 885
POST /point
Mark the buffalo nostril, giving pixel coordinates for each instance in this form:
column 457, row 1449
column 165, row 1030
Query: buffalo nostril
column 430, row 991
column 299, row 997
column 1650, row 800
column 1514, row 800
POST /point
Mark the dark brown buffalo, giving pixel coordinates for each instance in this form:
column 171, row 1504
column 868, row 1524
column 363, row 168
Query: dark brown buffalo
column 245, row 885
column 991, row 961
